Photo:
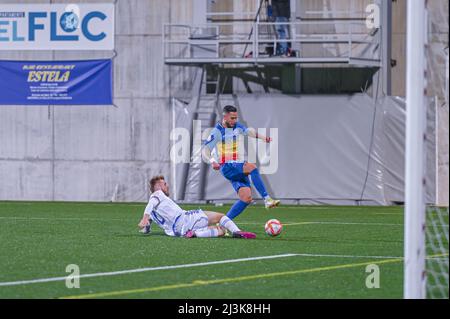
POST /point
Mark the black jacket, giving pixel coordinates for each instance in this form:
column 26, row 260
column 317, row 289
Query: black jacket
column 281, row 8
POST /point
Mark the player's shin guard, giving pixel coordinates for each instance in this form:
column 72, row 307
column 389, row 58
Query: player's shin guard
column 228, row 224
column 207, row 233
column 237, row 209
column 258, row 182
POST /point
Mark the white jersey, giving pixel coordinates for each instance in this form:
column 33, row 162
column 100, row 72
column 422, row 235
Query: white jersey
column 164, row 212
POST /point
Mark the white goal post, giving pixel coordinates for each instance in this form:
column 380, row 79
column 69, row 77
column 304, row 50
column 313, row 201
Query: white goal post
column 415, row 250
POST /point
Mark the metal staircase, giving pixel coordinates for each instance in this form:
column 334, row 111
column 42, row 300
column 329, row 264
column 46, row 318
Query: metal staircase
column 242, row 40
column 204, row 118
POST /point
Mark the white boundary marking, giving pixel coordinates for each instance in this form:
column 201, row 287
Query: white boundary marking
column 60, row 218
column 326, row 223
column 345, row 223
column 229, row 261
column 242, row 223
column 129, row 271
column 348, row 256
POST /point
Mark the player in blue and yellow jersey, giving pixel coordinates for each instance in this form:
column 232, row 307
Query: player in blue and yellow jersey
column 224, row 141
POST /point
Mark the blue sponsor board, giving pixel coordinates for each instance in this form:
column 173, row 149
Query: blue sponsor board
column 57, row 26
column 56, row 82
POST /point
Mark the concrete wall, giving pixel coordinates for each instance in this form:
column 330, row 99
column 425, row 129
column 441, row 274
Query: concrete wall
column 438, row 86
column 103, row 153
column 399, row 47
column 438, row 35
column 437, row 62
column 437, row 80
column 97, row 153
column 437, row 54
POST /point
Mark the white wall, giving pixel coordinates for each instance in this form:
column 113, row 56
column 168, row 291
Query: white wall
column 96, row 153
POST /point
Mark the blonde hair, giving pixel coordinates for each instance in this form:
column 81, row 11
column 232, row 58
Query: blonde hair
column 153, row 182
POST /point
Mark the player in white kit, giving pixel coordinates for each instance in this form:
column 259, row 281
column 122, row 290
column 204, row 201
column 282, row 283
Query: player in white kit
column 175, row 221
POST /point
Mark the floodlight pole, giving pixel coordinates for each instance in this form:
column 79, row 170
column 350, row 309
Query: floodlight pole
column 414, row 264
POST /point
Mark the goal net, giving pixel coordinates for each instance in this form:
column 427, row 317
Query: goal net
column 426, row 224
column 436, row 241
column 436, row 218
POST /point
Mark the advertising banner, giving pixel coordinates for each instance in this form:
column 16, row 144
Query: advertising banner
column 57, row 26
column 56, row 82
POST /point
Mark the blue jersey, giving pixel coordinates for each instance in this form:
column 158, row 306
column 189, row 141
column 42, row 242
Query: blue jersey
column 225, row 143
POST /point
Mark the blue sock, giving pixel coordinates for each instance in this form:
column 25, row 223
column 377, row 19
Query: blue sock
column 237, row 209
column 258, row 182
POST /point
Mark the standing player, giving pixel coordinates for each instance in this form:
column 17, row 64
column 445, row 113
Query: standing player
column 176, row 222
column 224, row 140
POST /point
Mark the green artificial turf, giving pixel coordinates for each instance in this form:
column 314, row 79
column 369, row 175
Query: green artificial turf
column 39, row 239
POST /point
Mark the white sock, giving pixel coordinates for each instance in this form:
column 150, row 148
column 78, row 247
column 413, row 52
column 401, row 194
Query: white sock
column 266, row 198
column 227, row 223
column 207, row 233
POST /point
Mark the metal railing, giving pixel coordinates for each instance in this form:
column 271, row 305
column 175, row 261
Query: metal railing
column 241, row 42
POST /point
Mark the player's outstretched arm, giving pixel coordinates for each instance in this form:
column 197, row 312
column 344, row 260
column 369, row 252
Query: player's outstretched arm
column 144, row 221
column 208, row 156
column 153, row 201
column 145, row 225
column 254, row 134
column 209, row 145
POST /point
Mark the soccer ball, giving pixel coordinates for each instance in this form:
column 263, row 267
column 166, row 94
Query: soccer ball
column 273, row 227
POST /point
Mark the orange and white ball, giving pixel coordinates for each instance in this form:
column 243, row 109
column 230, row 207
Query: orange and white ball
column 273, row 227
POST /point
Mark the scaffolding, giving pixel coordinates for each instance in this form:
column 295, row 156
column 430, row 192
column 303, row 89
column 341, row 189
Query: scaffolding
column 254, row 43
column 220, row 41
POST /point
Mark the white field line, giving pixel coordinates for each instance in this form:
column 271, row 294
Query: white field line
column 243, row 223
column 60, row 218
column 344, row 223
column 129, row 271
column 336, row 208
column 229, row 261
column 326, row 223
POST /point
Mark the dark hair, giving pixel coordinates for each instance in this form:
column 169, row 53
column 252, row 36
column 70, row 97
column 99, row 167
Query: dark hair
column 153, row 182
column 228, row 109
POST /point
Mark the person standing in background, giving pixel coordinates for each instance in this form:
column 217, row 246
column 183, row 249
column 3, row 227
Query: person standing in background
column 281, row 13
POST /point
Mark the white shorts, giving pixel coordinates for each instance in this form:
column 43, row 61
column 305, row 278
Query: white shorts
column 192, row 220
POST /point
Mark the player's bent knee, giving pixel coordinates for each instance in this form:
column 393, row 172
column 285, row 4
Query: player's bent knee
column 249, row 167
column 245, row 194
column 247, row 199
column 218, row 217
column 214, row 217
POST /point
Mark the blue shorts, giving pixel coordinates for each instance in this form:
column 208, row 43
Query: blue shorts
column 234, row 172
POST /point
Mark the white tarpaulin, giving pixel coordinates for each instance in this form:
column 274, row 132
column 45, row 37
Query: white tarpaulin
column 332, row 149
